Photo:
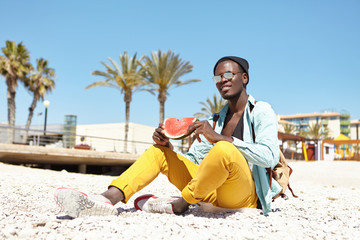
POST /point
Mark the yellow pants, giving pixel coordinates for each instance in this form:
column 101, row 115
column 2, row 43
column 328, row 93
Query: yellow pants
column 223, row 178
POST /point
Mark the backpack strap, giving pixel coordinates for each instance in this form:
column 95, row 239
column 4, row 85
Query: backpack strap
column 252, row 106
column 295, row 196
column 252, row 124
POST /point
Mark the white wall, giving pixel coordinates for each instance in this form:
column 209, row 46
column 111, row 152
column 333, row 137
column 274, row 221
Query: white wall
column 331, row 152
column 114, row 134
column 353, row 131
column 334, row 127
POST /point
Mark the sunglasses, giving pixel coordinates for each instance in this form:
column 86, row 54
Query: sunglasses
column 227, row 75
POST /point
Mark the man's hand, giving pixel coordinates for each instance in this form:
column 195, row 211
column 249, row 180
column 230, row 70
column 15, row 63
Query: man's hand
column 204, row 128
column 160, row 138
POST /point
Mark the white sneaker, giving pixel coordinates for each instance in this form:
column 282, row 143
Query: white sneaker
column 78, row 204
column 152, row 204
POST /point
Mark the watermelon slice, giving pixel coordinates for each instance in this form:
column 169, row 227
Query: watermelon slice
column 176, row 129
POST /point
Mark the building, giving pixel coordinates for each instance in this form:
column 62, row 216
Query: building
column 336, row 123
column 345, row 124
column 35, row 134
column 283, row 123
column 109, row 137
column 355, row 130
column 328, row 152
column 100, row 137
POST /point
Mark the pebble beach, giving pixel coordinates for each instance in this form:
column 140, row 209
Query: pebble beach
column 328, row 207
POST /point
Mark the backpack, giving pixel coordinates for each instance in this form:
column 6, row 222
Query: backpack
column 281, row 172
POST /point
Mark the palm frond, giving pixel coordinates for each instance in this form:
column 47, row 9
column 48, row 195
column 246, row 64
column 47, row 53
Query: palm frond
column 317, row 130
column 116, row 71
column 128, row 76
column 40, row 80
column 102, row 84
column 100, row 73
column 211, row 106
column 165, row 69
column 289, row 128
column 15, row 62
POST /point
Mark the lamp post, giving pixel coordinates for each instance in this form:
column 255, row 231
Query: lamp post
column 46, row 104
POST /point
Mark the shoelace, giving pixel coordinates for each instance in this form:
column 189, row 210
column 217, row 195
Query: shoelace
column 160, row 206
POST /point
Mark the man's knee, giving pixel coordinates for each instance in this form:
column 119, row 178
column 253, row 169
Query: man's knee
column 159, row 148
column 226, row 150
column 225, row 147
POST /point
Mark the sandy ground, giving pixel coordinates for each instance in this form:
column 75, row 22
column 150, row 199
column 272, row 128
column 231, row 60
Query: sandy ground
column 328, row 207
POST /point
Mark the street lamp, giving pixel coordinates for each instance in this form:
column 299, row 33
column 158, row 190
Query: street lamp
column 46, row 104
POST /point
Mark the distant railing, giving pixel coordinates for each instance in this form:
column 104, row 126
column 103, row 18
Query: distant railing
column 324, row 122
column 345, row 130
column 53, row 139
column 344, row 122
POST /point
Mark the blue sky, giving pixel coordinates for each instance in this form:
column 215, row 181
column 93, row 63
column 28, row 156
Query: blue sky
column 303, row 55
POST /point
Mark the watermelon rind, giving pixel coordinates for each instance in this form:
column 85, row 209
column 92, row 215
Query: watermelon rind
column 181, row 136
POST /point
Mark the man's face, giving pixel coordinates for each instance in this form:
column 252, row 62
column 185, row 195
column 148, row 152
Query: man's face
column 229, row 88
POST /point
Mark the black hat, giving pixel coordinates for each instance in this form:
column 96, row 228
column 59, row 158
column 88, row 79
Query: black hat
column 241, row 61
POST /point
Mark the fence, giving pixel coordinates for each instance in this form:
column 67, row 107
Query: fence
column 56, row 139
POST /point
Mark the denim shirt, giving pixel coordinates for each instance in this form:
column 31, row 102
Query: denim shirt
column 262, row 154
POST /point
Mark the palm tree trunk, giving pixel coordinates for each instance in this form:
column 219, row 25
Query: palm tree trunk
column 162, row 99
column 127, row 100
column 162, row 111
column 127, row 114
column 30, row 116
column 11, row 114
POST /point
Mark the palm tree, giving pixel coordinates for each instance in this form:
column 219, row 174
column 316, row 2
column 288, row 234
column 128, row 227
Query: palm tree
column 163, row 71
column 39, row 82
column 127, row 78
column 289, row 128
column 14, row 66
column 302, row 133
column 326, row 133
column 211, row 107
column 317, row 131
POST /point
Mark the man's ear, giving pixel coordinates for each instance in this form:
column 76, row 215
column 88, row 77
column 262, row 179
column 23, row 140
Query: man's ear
column 245, row 79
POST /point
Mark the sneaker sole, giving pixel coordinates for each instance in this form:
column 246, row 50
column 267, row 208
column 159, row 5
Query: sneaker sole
column 140, row 201
column 77, row 204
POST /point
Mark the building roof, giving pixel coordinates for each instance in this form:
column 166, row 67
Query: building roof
column 285, row 122
column 309, row 115
column 355, row 122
